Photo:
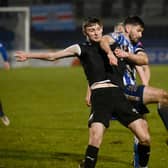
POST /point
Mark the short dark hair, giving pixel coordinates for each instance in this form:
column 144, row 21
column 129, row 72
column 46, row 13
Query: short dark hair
column 91, row 21
column 134, row 20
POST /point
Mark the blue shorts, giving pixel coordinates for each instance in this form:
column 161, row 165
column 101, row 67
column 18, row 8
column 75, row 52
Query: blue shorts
column 134, row 92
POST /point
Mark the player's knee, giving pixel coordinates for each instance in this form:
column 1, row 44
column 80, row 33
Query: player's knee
column 145, row 140
column 163, row 96
column 95, row 140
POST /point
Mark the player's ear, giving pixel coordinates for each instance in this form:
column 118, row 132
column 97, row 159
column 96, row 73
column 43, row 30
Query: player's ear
column 84, row 32
column 102, row 28
column 127, row 28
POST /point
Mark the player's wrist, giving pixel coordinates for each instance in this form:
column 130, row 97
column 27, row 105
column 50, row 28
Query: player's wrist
column 109, row 52
column 27, row 56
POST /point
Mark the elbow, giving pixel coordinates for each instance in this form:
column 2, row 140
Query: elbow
column 142, row 59
column 50, row 57
column 146, row 61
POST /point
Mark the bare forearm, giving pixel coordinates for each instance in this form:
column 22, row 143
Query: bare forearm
column 147, row 73
column 23, row 56
column 144, row 74
column 139, row 59
column 37, row 55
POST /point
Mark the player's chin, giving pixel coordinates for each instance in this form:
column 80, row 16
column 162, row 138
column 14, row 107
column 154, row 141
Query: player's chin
column 96, row 40
column 136, row 40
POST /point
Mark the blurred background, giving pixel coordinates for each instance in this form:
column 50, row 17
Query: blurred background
column 55, row 24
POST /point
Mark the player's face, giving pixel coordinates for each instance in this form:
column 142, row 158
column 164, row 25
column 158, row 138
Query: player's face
column 94, row 32
column 135, row 33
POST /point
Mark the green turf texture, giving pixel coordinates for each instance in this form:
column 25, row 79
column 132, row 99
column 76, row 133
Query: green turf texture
column 48, row 115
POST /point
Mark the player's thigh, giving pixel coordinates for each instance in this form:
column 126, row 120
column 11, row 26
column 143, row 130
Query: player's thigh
column 151, row 94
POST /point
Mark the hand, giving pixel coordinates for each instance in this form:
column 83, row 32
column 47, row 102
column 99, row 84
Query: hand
column 21, row 56
column 112, row 59
column 88, row 103
column 121, row 53
column 6, row 65
column 87, row 99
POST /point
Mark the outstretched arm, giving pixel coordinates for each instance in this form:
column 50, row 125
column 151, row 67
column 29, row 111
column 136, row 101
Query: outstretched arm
column 51, row 56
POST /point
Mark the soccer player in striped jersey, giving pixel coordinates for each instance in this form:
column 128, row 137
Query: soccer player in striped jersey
column 128, row 49
column 5, row 120
column 144, row 73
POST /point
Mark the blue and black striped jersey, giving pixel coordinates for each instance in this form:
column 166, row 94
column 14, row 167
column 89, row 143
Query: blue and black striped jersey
column 129, row 76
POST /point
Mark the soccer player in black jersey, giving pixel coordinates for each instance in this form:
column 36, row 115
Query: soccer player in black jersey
column 107, row 98
column 144, row 73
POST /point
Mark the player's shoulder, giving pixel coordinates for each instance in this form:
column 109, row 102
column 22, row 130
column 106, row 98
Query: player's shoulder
column 139, row 44
column 114, row 34
column 118, row 36
column 85, row 45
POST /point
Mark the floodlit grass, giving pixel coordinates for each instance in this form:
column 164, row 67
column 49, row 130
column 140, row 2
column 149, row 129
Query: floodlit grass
column 49, row 122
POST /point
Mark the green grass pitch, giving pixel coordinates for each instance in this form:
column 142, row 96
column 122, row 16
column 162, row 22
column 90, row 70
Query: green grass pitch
column 48, row 115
